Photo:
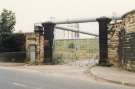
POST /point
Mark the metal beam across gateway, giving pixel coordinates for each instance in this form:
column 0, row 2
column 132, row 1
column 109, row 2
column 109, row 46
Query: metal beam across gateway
column 84, row 20
column 76, row 21
column 73, row 30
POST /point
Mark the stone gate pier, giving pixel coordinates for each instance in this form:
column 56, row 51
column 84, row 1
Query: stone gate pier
column 116, row 41
column 121, row 41
column 35, row 46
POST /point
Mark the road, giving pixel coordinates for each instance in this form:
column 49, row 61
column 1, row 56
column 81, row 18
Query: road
column 16, row 79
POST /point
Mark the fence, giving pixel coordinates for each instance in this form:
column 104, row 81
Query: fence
column 69, row 50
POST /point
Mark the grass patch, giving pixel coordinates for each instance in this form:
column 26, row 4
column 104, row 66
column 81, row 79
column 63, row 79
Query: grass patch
column 72, row 50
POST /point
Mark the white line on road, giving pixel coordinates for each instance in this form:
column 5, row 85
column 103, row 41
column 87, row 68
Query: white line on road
column 19, row 84
column 24, row 86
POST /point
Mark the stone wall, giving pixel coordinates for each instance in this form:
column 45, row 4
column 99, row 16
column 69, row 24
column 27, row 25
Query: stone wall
column 129, row 41
column 121, row 42
column 115, row 33
column 129, row 51
column 129, row 21
column 37, row 40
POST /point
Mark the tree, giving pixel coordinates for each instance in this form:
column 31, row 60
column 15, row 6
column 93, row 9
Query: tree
column 7, row 23
column 71, row 45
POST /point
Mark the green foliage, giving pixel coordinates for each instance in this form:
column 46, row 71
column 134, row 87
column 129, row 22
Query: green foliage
column 15, row 42
column 71, row 45
column 7, row 21
column 58, row 59
column 87, row 48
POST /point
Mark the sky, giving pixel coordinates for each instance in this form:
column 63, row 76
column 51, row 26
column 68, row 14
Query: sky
column 29, row 12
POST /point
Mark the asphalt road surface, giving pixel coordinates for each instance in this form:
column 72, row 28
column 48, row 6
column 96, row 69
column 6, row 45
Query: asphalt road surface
column 13, row 79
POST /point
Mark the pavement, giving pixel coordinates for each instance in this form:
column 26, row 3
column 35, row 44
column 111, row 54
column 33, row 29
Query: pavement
column 11, row 64
column 47, row 77
column 68, row 76
column 113, row 75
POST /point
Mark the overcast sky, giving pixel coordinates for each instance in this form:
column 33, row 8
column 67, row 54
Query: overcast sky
column 29, row 12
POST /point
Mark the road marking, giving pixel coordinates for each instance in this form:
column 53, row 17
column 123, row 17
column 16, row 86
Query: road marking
column 19, row 84
column 23, row 85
